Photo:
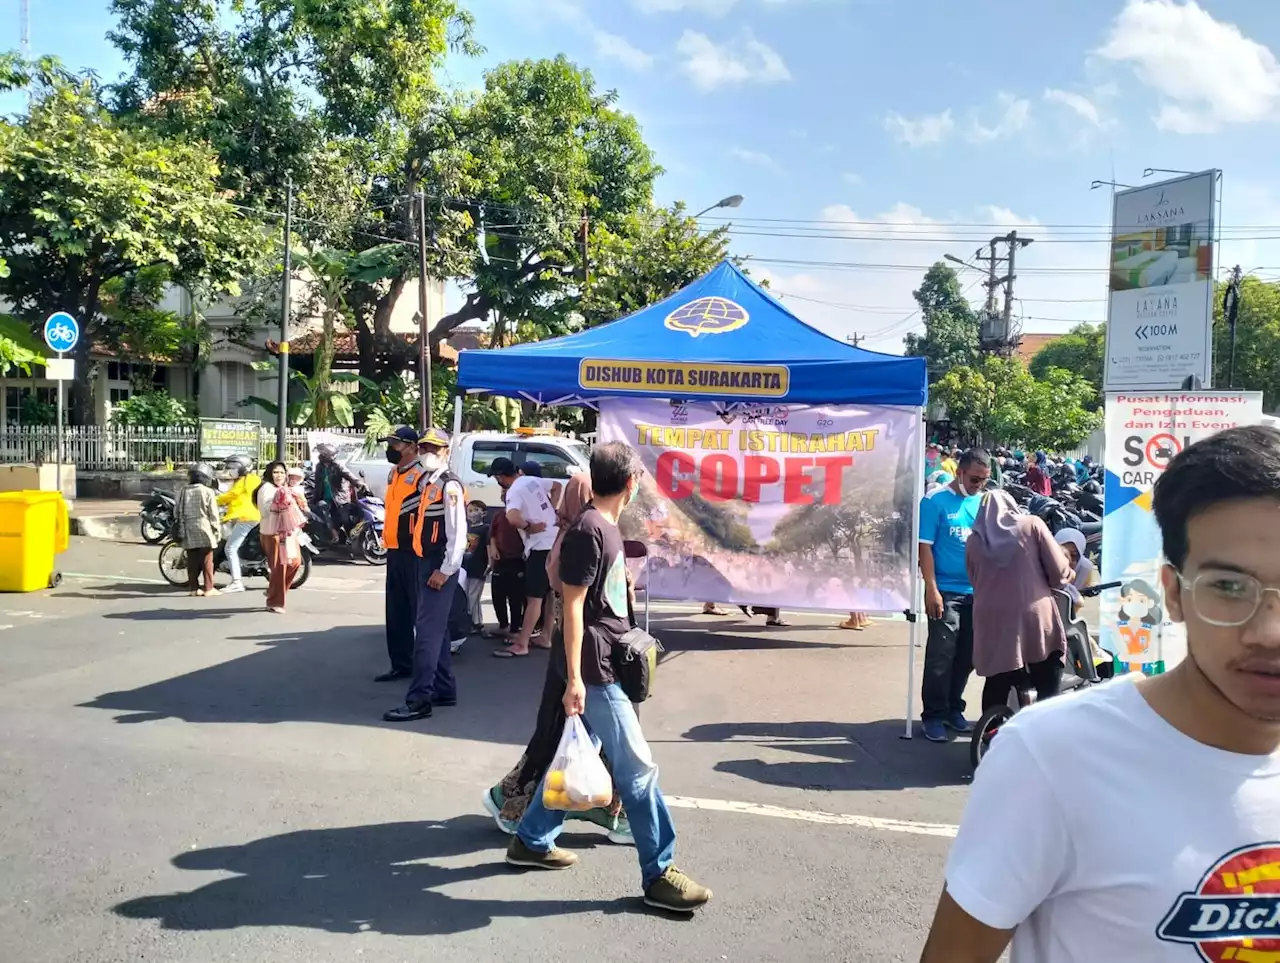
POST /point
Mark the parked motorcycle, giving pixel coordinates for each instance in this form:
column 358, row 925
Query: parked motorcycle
column 157, row 517
column 173, row 561
column 364, row 540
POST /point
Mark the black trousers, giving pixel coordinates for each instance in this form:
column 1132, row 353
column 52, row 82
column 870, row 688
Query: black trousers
column 507, row 588
column 948, row 658
column 459, row 614
column 1045, row 677
column 402, row 607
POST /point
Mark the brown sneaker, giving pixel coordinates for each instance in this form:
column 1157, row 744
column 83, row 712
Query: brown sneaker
column 518, row 854
column 676, row 892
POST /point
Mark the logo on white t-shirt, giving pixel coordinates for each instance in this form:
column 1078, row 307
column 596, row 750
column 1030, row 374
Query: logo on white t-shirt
column 1234, row 913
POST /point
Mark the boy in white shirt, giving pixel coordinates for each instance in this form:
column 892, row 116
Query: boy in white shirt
column 1140, row 821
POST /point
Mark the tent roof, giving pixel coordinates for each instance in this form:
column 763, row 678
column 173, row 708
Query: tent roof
column 722, row 338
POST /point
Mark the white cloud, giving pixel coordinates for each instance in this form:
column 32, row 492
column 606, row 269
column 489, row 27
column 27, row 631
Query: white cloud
column 851, row 178
column 1207, row 72
column 924, row 132
column 619, row 49
column 759, row 158
column 739, row 61
column 1015, row 116
column 1079, row 103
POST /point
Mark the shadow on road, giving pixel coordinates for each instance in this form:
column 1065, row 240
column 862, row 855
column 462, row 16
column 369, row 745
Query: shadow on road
column 124, row 590
column 848, row 756
column 326, row 676
column 354, row 879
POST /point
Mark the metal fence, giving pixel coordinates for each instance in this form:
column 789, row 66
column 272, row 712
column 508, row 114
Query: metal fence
column 115, row 448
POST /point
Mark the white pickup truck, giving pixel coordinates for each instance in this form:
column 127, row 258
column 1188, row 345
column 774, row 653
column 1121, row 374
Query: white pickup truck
column 473, row 452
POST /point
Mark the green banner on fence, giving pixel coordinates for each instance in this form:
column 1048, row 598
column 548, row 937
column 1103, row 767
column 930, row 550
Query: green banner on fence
column 222, row 438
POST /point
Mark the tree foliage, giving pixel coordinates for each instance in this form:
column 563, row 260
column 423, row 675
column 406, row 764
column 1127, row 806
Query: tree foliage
column 1081, row 351
column 951, row 328
column 86, row 200
column 153, row 409
column 1001, row 402
column 1257, row 341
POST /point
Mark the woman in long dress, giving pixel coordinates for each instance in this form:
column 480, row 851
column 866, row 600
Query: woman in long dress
column 283, row 509
column 1019, row 639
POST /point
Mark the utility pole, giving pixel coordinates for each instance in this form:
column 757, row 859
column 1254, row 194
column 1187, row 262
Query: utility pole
column 1231, row 308
column 1000, row 340
column 424, row 333
column 286, row 303
column 855, row 339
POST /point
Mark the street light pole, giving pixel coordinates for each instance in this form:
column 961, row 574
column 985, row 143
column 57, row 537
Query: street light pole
column 424, row 332
column 286, row 302
column 733, row 200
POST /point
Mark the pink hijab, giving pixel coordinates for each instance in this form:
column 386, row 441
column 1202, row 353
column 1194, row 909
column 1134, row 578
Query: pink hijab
column 997, row 527
column 575, row 497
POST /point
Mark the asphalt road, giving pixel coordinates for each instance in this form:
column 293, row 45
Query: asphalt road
column 192, row 780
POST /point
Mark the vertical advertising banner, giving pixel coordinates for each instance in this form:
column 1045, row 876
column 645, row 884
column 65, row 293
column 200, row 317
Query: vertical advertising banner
column 770, row 505
column 1144, row 433
column 1160, row 311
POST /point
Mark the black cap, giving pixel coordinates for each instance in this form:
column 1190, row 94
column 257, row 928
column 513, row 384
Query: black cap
column 502, row 466
column 404, row 433
column 531, row 468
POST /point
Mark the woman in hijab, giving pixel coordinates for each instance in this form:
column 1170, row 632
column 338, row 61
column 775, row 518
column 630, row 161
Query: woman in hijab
column 1018, row 635
column 506, row 802
column 1083, row 572
column 1037, row 477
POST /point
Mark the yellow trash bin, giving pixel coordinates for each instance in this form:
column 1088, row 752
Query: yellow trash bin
column 34, row 527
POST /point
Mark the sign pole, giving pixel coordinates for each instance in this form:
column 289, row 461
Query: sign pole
column 60, row 421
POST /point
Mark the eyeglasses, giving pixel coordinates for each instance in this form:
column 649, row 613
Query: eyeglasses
column 1224, row 598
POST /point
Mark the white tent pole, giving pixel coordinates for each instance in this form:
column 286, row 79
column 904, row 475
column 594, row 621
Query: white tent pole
column 913, row 633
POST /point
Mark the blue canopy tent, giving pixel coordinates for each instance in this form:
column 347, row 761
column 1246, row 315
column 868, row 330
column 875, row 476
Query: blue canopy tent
column 722, row 338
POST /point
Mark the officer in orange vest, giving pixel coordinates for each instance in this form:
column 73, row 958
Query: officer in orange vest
column 404, row 491
column 440, row 541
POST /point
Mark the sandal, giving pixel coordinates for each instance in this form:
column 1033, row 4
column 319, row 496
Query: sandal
column 778, row 623
column 851, row 624
column 712, row 609
column 510, row 654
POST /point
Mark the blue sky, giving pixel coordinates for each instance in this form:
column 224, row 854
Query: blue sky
column 899, row 131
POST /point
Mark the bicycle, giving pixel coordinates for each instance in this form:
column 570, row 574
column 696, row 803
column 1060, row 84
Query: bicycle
column 1079, row 672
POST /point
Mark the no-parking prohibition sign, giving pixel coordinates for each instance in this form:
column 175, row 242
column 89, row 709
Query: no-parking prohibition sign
column 1161, row 449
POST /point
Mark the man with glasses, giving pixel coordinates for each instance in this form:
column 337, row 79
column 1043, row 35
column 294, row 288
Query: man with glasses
column 1140, row 821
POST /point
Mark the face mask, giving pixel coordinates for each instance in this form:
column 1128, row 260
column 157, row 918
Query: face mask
column 430, row 461
column 631, row 496
column 393, row 456
column 1135, row 609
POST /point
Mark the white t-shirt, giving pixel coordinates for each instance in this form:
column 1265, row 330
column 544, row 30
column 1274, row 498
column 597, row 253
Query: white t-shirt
column 1104, row 834
column 528, row 495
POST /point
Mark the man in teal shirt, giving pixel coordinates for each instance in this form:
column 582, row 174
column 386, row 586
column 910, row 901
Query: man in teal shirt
column 946, row 518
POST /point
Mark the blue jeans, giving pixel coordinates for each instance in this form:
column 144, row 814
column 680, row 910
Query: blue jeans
column 612, row 719
column 239, row 531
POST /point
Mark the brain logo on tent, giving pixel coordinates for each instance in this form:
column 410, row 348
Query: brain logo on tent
column 708, row 316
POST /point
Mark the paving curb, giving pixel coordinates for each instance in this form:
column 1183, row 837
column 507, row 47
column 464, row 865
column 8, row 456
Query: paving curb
column 116, row 528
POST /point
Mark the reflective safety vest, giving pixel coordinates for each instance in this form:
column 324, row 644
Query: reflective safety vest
column 404, row 489
column 429, row 538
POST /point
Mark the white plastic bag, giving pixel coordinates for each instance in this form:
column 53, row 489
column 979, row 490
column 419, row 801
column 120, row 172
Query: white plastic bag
column 577, row 780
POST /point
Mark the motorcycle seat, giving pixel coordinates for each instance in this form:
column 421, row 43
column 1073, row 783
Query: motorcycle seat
column 1090, row 528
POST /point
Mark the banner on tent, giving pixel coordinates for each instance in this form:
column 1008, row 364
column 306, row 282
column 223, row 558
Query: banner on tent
column 772, row 505
column 1144, row 432
column 685, row 378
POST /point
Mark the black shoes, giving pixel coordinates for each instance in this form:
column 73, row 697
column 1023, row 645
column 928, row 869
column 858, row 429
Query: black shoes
column 408, row 713
column 393, row 676
column 450, row 701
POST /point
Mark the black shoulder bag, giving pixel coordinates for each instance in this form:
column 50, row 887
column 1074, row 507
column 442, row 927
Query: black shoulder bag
column 635, row 659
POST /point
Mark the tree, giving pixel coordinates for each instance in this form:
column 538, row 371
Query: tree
column 270, row 84
column 1081, row 351
column 1257, row 340
column 951, row 328
column 999, row 401
column 85, row 200
column 650, row 255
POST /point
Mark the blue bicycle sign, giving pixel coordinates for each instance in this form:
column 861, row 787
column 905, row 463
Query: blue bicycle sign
column 61, row 332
